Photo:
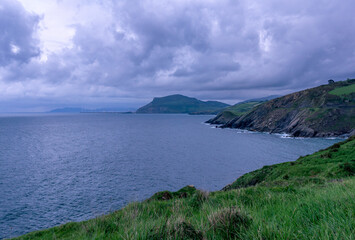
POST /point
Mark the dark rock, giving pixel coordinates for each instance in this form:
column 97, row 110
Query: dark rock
column 166, row 196
column 183, row 195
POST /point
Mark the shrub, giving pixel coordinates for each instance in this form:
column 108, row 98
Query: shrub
column 348, row 167
column 175, row 229
column 229, row 223
column 326, row 155
column 198, row 199
column 184, row 230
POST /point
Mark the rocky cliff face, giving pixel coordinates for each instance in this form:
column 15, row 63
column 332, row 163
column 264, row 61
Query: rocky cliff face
column 327, row 110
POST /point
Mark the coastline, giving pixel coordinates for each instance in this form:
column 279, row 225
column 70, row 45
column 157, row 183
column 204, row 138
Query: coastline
column 282, row 135
column 295, row 181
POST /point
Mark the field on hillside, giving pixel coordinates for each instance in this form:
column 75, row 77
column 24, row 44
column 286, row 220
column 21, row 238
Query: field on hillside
column 343, row 90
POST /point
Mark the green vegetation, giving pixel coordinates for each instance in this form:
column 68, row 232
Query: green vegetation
column 236, row 111
column 233, row 112
column 182, row 104
column 311, row 198
column 242, row 108
column 343, row 90
column 335, row 162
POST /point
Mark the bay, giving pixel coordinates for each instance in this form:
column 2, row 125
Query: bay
column 56, row 168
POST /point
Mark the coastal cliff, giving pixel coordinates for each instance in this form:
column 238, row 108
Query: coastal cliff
column 324, row 111
column 238, row 110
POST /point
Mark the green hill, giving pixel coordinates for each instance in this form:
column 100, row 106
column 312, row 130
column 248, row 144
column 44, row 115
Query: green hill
column 233, row 112
column 311, row 198
column 327, row 110
column 182, row 104
column 238, row 110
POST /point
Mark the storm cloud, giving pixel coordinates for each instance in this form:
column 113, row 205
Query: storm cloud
column 17, row 33
column 126, row 52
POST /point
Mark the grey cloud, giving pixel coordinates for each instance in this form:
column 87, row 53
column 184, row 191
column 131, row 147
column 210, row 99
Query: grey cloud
column 160, row 38
column 17, row 30
column 218, row 50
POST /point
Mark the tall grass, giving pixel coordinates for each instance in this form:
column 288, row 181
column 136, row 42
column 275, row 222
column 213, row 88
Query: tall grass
column 315, row 211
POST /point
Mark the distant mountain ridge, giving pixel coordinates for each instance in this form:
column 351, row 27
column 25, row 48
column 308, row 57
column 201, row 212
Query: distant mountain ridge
column 84, row 110
column 324, row 111
column 67, row 110
column 182, row 104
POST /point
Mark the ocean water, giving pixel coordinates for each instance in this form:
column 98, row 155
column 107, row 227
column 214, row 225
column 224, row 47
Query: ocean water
column 72, row 167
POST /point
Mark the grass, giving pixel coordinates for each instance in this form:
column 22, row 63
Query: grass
column 241, row 108
column 343, row 90
column 311, row 198
column 337, row 161
column 234, row 111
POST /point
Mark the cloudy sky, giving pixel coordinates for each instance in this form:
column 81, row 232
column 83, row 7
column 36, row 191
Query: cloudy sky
column 116, row 53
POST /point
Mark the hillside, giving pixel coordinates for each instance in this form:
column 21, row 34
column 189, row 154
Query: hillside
column 237, row 110
column 182, row 104
column 327, row 110
column 311, row 198
column 233, row 112
column 335, row 162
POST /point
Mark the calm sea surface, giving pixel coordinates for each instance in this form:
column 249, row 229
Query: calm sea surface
column 71, row 167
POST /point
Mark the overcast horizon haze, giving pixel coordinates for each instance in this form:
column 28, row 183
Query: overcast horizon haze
column 122, row 54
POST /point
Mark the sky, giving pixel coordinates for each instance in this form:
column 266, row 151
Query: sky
column 116, row 53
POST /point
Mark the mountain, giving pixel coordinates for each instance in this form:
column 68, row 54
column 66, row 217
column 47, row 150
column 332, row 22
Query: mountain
column 238, row 110
column 84, row 110
column 182, row 104
column 311, row 198
column 327, row 110
column 67, row 110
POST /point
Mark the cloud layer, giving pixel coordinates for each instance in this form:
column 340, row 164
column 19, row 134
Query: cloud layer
column 126, row 52
column 17, row 29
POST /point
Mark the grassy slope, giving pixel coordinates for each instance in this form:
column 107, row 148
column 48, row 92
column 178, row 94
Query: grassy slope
column 343, row 90
column 234, row 111
column 311, row 198
column 240, row 109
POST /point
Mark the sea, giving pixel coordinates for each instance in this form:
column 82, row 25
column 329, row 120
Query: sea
column 59, row 168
